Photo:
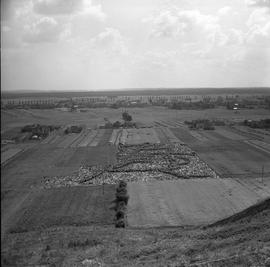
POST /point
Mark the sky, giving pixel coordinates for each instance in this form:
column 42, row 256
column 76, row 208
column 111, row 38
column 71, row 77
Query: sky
column 117, row 44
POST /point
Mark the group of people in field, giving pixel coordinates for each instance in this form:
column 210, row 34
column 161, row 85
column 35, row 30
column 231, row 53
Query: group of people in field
column 141, row 163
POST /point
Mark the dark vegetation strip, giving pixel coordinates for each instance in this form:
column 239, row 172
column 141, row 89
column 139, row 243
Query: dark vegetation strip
column 249, row 212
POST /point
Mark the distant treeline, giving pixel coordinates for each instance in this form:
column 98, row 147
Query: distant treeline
column 138, row 91
column 40, row 131
column 204, row 124
column 261, row 124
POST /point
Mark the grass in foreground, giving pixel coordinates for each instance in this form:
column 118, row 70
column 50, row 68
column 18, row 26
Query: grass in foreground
column 245, row 242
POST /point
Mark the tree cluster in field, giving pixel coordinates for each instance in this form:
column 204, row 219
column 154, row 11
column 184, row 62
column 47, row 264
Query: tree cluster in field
column 41, row 131
column 127, row 118
column 73, row 129
column 261, row 124
column 121, row 202
column 201, row 124
column 118, row 124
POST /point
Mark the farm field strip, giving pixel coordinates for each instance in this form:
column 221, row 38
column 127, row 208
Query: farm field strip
column 66, row 206
column 161, row 135
column 242, row 131
column 262, row 188
column 177, row 123
column 114, row 136
column 139, row 136
column 259, row 144
column 259, row 131
column 84, row 137
column 189, row 202
column 81, row 136
column 69, row 139
column 92, row 137
column 159, row 124
column 198, row 136
column 88, row 138
column 97, row 138
column 168, row 124
column 180, row 123
column 171, row 137
column 229, row 134
column 155, row 135
column 49, row 138
column 8, row 154
column 118, row 138
column 105, row 138
column 55, row 139
column 123, row 136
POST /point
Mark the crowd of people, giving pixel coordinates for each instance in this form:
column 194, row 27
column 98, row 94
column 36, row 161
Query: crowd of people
column 145, row 162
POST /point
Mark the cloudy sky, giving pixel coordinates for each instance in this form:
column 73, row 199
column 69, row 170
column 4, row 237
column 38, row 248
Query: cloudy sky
column 111, row 44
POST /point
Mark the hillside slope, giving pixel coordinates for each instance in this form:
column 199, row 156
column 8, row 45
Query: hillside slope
column 243, row 240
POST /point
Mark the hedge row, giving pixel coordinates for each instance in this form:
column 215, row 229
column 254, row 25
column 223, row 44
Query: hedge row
column 121, row 202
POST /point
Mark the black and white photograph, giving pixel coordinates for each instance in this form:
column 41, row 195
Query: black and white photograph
column 135, row 133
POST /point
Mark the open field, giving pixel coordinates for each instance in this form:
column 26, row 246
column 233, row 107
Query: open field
column 139, row 136
column 191, row 202
column 230, row 154
column 70, row 213
column 146, row 116
column 8, row 154
column 29, row 168
column 78, row 206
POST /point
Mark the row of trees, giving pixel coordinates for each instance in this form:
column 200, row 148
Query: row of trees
column 261, row 124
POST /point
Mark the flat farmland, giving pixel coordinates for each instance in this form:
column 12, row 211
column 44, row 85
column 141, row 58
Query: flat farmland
column 228, row 153
column 27, row 171
column 78, row 206
column 8, row 154
column 139, row 136
column 191, row 202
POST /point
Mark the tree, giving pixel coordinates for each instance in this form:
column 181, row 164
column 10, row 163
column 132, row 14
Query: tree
column 126, row 117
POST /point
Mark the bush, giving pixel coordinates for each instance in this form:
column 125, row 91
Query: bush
column 121, row 201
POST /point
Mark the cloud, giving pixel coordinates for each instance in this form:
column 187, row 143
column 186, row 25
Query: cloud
column 192, row 26
column 46, row 29
column 68, row 7
column 111, row 41
column 224, row 11
column 181, row 23
column 258, row 25
column 258, row 3
column 258, row 17
column 259, row 35
column 56, row 7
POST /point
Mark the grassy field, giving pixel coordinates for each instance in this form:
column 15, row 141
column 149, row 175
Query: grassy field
column 244, row 242
column 146, row 116
column 27, row 171
column 79, row 206
column 227, row 152
column 191, row 202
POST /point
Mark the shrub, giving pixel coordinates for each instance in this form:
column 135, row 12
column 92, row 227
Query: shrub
column 120, row 223
column 121, row 201
column 122, row 196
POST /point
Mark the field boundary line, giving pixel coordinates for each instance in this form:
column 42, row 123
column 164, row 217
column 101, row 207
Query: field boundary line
column 256, row 146
column 97, row 138
column 16, row 155
column 172, row 263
